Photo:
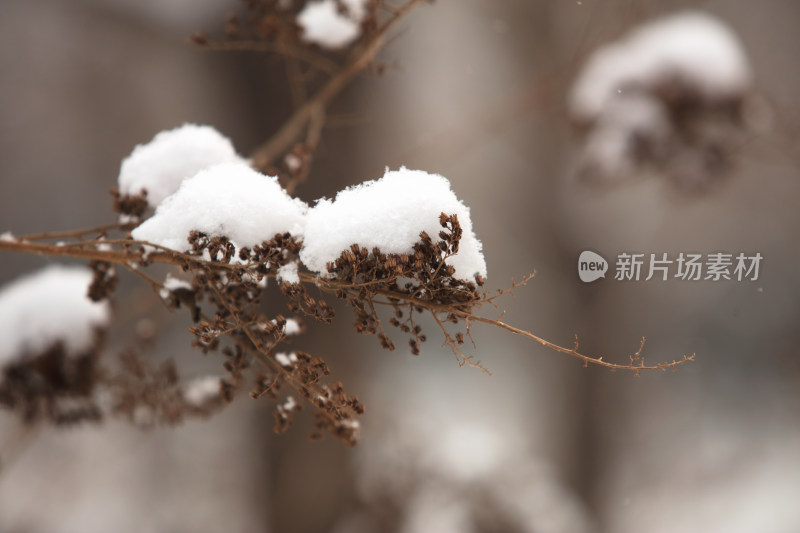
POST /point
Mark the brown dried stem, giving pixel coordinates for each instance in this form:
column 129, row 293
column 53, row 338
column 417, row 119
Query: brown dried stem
column 460, row 356
column 130, row 259
column 296, row 52
column 75, row 234
column 636, row 364
column 313, row 136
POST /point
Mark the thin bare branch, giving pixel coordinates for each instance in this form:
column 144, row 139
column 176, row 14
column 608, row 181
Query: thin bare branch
column 460, row 356
column 130, row 259
column 315, row 60
column 313, row 136
column 75, row 234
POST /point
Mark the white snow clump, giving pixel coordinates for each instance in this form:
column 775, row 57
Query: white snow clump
column 390, row 213
column 292, row 327
column 288, row 273
column 230, row 200
column 691, row 48
column 172, row 283
column 48, row 307
column 172, row 156
column 286, row 360
column 322, row 23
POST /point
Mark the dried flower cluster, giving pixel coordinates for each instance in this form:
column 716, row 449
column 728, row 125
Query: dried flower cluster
column 403, row 281
column 234, row 293
column 133, row 206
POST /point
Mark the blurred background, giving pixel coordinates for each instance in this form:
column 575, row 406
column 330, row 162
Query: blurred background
column 476, row 91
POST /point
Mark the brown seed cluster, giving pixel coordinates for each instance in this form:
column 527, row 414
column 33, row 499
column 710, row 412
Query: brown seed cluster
column 299, row 301
column 133, row 206
column 104, row 281
column 145, row 393
column 223, row 297
column 337, row 414
column 336, row 411
column 407, row 282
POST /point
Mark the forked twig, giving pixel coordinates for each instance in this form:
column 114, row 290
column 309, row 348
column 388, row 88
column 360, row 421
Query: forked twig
column 292, row 129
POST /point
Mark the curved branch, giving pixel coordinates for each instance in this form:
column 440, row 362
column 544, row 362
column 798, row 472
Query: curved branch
column 636, row 365
column 130, row 259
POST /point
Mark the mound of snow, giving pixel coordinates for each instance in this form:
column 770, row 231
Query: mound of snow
column 172, row 156
column 389, row 213
column 228, row 200
column 48, row 307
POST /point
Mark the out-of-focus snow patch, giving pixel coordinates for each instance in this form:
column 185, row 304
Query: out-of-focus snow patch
column 628, row 129
column 734, row 481
column 434, row 510
column 162, row 164
column 449, row 475
column 692, row 49
column 323, row 23
column 479, row 452
column 48, row 307
column 390, row 213
column 199, row 391
column 230, row 200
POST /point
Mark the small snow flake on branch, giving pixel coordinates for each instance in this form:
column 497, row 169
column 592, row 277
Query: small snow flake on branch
column 331, row 24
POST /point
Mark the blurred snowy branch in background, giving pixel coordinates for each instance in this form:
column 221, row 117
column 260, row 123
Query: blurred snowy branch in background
column 674, row 96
